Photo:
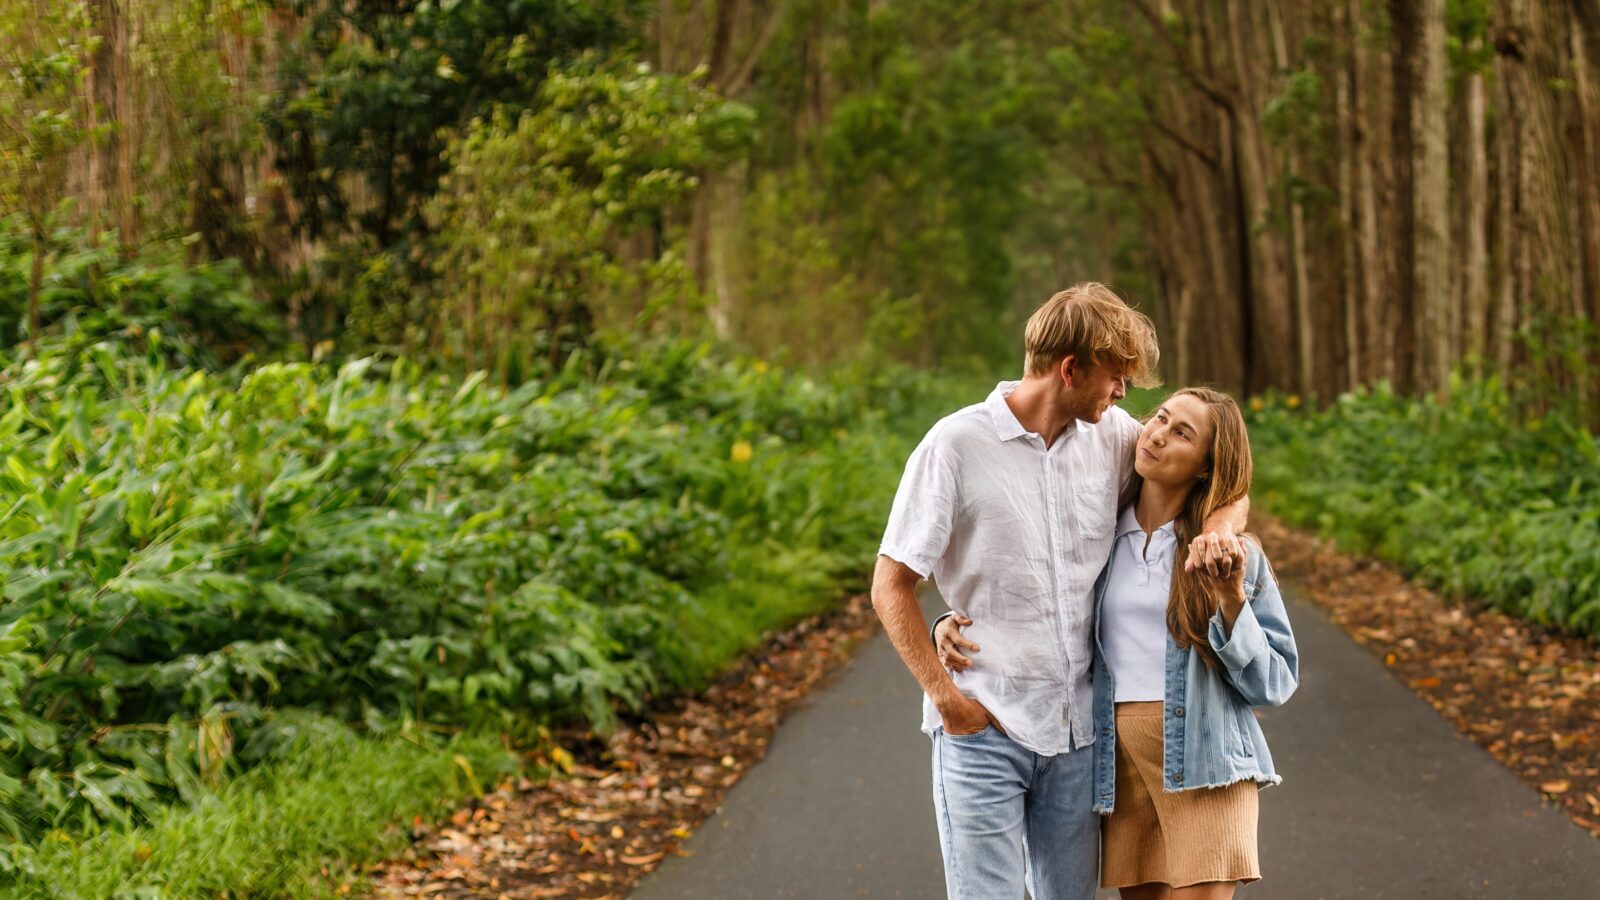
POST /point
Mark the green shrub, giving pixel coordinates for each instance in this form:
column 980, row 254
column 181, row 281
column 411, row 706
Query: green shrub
column 328, row 803
column 1465, row 494
column 203, row 315
column 188, row 554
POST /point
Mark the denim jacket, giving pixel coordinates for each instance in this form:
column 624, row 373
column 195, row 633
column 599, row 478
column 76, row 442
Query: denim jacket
column 1211, row 736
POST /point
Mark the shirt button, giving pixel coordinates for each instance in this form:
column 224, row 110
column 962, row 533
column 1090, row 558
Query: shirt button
column 1178, row 712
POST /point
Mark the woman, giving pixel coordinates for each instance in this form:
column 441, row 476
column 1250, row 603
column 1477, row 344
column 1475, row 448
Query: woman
column 1183, row 656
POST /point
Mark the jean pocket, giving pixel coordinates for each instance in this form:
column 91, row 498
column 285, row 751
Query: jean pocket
column 1244, row 747
column 967, row 737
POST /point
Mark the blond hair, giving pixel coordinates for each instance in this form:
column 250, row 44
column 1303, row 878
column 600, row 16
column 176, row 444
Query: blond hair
column 1090, row 322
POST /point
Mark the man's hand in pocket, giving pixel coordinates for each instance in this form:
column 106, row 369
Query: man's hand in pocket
column 968, row 716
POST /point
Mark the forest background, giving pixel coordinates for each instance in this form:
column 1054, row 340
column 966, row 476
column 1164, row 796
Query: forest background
column 335, row 329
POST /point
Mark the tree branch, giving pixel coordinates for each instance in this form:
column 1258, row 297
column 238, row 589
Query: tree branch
column 1218, row 93
column 741, row 76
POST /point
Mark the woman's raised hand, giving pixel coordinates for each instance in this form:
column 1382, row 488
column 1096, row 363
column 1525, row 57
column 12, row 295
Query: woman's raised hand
column 949, row 641
column 1218, row 553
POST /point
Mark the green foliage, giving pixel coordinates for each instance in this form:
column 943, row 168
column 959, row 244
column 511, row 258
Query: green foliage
column 528, row 218
column 187, row 554
column 371, row 90
column 927, row 172
column 203, row 315
column 926, row 205
column 43, row 48
column 297, row 827
column 1473, row 495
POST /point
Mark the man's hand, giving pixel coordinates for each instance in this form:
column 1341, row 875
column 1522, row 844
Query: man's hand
column 1218, row 544
column 1215, row 553
column 949, row 641
column 965, row 715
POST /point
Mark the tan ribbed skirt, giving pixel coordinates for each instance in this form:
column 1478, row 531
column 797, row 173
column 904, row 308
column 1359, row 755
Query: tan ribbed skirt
column 1183, row 838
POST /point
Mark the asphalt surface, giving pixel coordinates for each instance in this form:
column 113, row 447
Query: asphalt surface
column 1381, row 798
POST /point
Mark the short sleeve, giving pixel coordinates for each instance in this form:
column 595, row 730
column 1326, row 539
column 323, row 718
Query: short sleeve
column 1125, row 431
column 924, row 508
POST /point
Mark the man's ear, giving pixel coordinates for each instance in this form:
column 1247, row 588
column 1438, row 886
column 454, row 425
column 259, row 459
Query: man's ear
column 1067, row 368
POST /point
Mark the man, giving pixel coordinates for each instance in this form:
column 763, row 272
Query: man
column 1010, row 505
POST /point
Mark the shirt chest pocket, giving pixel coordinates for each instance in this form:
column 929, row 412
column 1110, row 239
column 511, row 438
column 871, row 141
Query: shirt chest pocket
column 1094, row 505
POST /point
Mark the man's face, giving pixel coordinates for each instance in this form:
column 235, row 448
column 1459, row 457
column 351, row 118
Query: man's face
column 1095, row 388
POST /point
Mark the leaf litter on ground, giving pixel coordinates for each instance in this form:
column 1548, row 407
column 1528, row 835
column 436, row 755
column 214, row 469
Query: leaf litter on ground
column 1526, row 693
column 616, row 807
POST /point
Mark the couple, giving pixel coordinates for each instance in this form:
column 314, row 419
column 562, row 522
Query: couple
column 1117, row 630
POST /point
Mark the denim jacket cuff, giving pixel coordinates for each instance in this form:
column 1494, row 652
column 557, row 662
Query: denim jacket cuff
column 1246, row 643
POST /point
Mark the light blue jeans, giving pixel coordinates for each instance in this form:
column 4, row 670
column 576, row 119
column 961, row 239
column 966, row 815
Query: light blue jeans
column 1000, row 804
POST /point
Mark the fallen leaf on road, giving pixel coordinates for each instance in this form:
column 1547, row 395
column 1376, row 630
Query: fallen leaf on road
column 643, row 860
column 603, row 811
column 1526, row 693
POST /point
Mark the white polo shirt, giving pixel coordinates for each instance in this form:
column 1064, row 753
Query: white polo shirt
column 1133, row 618
column 1015, row 535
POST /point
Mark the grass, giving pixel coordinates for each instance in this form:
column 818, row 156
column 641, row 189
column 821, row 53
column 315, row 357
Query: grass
column 297, row 827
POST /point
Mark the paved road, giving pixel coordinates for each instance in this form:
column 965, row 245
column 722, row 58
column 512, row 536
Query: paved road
column 1381, row 799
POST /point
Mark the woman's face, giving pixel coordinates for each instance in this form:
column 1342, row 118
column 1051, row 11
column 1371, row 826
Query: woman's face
column 1175, row 446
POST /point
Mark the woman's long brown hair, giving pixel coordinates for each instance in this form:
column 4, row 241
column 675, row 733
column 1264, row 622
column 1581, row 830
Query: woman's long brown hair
column 1195, row 597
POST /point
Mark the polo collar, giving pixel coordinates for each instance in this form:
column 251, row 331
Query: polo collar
column 1128, row 523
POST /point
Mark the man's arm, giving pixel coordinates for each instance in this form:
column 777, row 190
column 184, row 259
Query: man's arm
column 1231, row 517
column 1218, row 549
column 894, row 599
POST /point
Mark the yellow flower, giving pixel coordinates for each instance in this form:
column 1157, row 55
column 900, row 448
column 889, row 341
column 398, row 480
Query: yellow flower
column 741, row 452
column 1293, row 401
column 1256, row 404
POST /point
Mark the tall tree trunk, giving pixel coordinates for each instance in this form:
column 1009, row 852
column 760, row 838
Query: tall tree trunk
column 127, row 132
column 1370, row 138
column 1586, row 66
column 1430, row 181
column 1533, row 48
column 1404, row 63
column 716, row 202
column 1586, row 149
column 1272, row 317
column 1473, row 304
column 1513, row 256
column 101, row 79
column 1347, row 132
column 1305, row 351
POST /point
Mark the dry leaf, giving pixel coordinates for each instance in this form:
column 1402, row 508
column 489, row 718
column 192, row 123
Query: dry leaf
column 618, row 805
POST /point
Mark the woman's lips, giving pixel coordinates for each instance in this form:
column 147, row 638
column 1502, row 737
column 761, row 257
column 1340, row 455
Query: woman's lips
column 1147, row 453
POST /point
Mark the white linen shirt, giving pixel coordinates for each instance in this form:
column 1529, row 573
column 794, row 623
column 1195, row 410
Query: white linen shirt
column 1014, row 535
column 1133, row 617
